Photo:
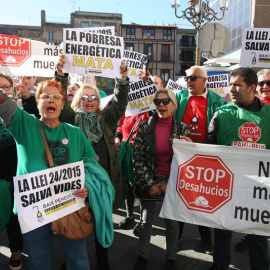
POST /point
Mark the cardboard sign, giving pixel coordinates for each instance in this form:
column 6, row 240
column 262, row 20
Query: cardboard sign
column 255, row 48
column 47, row 195
column 91, row 53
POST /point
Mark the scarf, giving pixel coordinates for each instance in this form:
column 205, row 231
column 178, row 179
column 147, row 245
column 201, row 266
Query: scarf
column 89, row 124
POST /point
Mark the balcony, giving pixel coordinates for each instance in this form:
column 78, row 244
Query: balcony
column 187, row 44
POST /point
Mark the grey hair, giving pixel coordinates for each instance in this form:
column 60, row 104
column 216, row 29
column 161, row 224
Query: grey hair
column 202, row 70
column 265, row 71
column 170, row 94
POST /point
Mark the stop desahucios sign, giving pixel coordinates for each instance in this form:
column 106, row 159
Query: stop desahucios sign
column 14, row 50
column 249, row 132
column 204, row 183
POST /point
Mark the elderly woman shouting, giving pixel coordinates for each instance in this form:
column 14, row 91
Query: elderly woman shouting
column 25, row 129
column 152, row 160
column 97, row 126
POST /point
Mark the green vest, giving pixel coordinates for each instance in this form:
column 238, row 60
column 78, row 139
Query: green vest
column 231, row 119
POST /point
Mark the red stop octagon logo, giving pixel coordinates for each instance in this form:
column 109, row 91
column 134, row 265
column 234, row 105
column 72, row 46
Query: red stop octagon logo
column 249, row 132
column 204, row 183
column 14, row 50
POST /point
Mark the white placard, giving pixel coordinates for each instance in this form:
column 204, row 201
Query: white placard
column 91, row 53
column 174, row 85
column 255, row 50
column 47, row 195
column 219, row 83
column 135, row 62
column 140, row 97
column 220, row 187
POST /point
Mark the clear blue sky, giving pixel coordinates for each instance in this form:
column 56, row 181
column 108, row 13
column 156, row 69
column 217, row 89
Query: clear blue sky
column 151, row 12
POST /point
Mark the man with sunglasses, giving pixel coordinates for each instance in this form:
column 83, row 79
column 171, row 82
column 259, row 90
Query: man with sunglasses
column 196, row 106
column 244, row 108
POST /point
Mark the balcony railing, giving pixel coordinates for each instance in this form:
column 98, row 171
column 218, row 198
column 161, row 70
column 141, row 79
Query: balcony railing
column 184, row 43
column 165, row 57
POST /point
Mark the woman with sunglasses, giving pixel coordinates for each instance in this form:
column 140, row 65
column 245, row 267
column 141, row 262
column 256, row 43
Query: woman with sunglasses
column 97, row 126
column 152, row 160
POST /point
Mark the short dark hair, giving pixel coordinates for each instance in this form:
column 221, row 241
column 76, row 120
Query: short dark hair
column 249, row 75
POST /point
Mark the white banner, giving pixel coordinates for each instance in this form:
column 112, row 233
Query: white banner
column 90, row 53
column 140, row 97
column 219, row 83
column 220, row 187
column 255, row 48
column 135, row 62
column 20, row 56
column 47, row 195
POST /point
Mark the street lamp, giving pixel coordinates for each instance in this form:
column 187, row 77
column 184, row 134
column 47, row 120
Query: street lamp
column 199, row 13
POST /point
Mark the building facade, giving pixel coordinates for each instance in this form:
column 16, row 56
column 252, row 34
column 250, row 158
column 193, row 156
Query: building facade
column 158, row 42
column 243, row 14
column 186, row 50
column 170, row 50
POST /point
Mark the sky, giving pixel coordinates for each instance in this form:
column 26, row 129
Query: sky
column 149, row 12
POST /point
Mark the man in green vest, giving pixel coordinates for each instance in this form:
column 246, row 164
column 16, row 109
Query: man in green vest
column 196, row 106
column 245, row 108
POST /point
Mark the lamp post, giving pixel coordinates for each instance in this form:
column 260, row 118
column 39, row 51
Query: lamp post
column 199, row 13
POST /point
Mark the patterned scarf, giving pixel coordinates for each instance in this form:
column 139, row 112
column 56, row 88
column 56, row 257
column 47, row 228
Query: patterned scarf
column 89, row 124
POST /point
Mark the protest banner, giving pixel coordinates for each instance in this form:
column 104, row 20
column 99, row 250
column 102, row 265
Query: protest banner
column 91, row 53
column 220, row 187
column 135, row 62
column 105, row 30
column 47, row 195
column 174, row 85
column 255, row 48
column 218, row 82
column 20, row 56
column 140, row 97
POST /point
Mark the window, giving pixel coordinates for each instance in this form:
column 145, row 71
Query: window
column 96, row 24
column 165, row 75
column 50, row 37
column 187, row 56
column 148, row 50
column 187, row 41
column 165, row 52
column 129, row 47
column 111, row 24
column 84, row 24
column 130, row 31
column 149, row 32
column 167, row 32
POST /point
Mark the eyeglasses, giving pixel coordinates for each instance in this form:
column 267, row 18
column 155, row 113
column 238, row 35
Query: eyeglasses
column 92, row 97
column 54, row 96
column 192, row 78
column 165, row 101
column 5, row 87
column 261, row 84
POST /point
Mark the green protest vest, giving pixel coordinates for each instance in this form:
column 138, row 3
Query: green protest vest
column 234, row 125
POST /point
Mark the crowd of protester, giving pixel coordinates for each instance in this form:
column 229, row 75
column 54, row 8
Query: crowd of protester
column 73, row 111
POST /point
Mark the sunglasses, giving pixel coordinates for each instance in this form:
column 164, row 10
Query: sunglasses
column 192, row 78
column 261, row 84
column 165, row 101
column 55, row 96
column 92, row 97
